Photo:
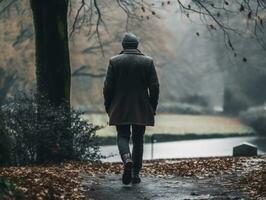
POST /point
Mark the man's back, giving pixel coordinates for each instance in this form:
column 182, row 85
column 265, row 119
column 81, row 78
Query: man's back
column 132, row 72
column 131, row 89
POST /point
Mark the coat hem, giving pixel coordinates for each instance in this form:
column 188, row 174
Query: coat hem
column 129, row 123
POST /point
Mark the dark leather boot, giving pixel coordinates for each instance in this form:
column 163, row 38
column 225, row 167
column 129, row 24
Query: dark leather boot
column 128, row 163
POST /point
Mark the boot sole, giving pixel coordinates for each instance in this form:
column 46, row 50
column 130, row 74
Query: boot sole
column 136, row 181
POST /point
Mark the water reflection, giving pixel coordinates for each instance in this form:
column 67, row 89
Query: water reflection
column 191, row 148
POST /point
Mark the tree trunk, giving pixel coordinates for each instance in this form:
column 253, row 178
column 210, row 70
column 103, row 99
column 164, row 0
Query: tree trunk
column 4, row 144
column 52, row 51
column 53, row 75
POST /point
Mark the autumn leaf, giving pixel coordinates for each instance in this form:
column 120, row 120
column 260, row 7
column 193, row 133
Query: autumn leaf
column 64, row 181
column 212, row 27
column 242, row 8
column 249, row 14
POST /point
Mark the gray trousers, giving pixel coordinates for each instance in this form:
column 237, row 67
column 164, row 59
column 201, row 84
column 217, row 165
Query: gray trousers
column 123, row 137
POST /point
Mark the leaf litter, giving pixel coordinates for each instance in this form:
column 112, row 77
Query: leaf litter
column 64, row 181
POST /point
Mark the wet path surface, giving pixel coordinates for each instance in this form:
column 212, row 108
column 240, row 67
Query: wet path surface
column 109, row 187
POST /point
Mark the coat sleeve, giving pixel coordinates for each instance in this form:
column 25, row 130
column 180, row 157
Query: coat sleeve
column 153, row 86
column 108, row 89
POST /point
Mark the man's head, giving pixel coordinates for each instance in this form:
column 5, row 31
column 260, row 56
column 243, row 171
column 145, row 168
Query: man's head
column 130, row 41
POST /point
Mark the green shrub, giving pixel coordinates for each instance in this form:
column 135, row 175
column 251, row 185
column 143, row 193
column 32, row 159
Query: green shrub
column 54, row 135
column 4, row 144
column 8, row 190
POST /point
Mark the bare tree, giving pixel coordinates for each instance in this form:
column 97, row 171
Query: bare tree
column 214, row 14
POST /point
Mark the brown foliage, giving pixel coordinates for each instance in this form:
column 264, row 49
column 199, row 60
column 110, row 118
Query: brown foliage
column 63, row 181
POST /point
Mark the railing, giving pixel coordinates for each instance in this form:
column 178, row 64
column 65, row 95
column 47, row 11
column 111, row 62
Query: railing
column 153, row 140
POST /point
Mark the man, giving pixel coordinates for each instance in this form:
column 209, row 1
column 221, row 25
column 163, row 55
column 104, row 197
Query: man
column 131, row 92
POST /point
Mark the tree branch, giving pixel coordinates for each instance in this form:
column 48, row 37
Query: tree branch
column 79, row 72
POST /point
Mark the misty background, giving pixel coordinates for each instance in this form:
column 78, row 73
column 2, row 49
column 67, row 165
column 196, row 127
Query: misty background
column 198, row 74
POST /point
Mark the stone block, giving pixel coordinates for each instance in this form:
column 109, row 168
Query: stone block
column 245, row 149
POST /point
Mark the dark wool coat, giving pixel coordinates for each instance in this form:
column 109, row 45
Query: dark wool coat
column 131, row 89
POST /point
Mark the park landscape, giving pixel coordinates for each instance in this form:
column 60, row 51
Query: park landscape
column 55, row 142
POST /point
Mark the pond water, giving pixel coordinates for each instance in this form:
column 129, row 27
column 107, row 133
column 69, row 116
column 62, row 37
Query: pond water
column 190, row 148
column 182, row 125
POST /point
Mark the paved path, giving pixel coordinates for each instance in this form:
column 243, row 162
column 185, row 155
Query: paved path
column 109, row 187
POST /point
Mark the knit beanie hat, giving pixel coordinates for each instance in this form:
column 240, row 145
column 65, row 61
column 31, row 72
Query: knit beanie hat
column 130, row 41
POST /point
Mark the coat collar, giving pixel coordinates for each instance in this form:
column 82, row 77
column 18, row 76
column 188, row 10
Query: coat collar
column 131, row 51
